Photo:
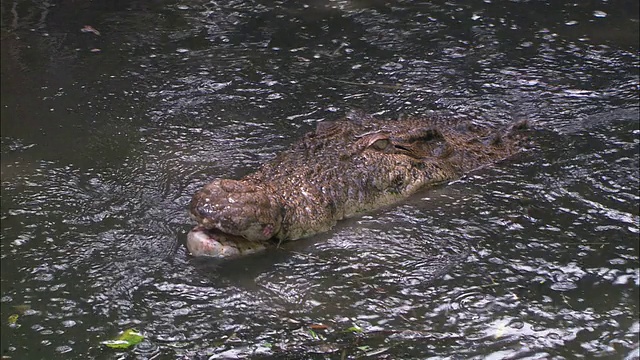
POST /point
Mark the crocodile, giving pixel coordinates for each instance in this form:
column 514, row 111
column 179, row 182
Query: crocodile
column 343, row 168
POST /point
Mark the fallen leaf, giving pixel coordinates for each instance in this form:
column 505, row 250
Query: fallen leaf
column 89, row 28
column 355, row 329
column 376, row 352
column 116, row 344
column 22, row 308
column 126, row 339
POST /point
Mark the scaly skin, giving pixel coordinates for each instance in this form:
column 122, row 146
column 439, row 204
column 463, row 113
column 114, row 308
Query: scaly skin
column 343, row 168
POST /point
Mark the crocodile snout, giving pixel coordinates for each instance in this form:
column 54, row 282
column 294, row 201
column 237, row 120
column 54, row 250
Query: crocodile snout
column 237, row 208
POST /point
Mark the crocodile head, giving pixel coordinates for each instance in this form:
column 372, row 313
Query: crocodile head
column 341, row 169
column 237, row 207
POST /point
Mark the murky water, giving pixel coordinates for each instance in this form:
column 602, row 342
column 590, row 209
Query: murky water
column 106, row 137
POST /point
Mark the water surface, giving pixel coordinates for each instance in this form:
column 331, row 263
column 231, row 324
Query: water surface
column 106, row 137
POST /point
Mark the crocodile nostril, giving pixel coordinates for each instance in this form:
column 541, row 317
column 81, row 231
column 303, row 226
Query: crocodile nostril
column 205, row 209
column 201, row 207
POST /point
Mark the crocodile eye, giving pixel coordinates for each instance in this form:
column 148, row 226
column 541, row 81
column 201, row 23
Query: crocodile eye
column 381, row 144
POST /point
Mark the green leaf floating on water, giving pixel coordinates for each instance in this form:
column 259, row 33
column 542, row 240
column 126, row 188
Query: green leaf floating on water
column 13, row 319
column 355, row 329
column 125, row 340
column 21, row 309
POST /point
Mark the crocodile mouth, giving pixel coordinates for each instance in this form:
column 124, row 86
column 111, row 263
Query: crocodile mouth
column 217, row 244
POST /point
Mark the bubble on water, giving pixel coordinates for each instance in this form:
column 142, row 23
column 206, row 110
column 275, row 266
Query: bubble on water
column 617, row 261
column 599, row 14
column 21, row 240
column 391, row 66
column 564, row 286
column 63, row 349
column 516, row 325
column 148, row 349
column 182, row 50
column 554, row 336
column 625, row 279
column 69, row 323
column 570, row 23
column 475, row 302
column 44, row 277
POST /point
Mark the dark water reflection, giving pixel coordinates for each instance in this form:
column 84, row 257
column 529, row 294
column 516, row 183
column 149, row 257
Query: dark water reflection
column 106, row 137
